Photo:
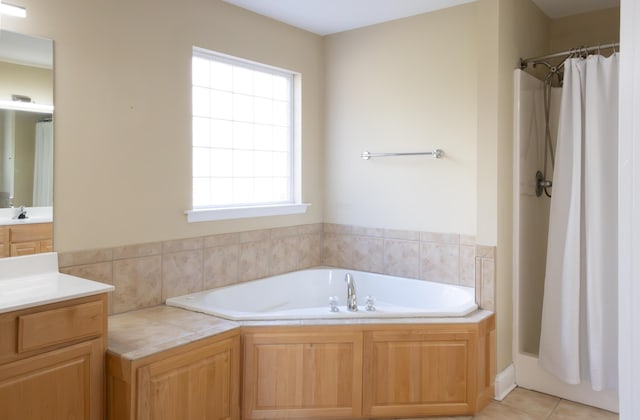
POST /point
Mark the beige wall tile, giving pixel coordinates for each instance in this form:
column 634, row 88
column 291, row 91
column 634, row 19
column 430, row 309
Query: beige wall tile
column 285, row 253
column 179, row 245
column 283, row 232
column 138, row 283
column 440, row 262
column 468, row 265
column 336, row 250
column 402, row 258
column 485, row 251
column 337, row 229
column 488, row 284
column 253, row 260
column 312, row 228
column 182, row 273
column 220, row 266
column 368, row 231
column 68, row 259
column 368, row 254
column 443, row 238
column 310, row 250
column 134, row 251
column 102, row 272
column 254, row 235
column 467, row 240
column 401, row 234
column 222, row 239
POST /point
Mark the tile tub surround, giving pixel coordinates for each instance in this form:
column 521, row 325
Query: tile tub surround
column 440, row 257
column 146, row 275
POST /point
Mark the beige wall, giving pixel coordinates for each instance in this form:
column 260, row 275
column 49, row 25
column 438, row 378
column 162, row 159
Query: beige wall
column 122, row 119
column 508, row 30
column 590, row 29
column 34, row 82
column 403, row 86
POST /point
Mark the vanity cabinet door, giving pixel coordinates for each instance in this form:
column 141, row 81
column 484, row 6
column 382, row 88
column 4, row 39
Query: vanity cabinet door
column 25, row 248
column 198, row 384
column 5, row 246
column 28, row 239
column 64, row 384
column 305, row 373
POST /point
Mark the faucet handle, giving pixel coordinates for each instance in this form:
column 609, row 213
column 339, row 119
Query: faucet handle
column 370, row 303
column 333, row 304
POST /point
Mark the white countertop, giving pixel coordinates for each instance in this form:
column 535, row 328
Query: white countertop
column 34, row 280
column 34, row 215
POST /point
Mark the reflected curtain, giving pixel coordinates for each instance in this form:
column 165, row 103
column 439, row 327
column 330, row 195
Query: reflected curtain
column 43, row 165
column 580, row 312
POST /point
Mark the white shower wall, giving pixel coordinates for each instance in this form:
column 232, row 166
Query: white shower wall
column 532, row 218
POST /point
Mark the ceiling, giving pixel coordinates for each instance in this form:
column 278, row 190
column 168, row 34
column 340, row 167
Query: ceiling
column 325, row 17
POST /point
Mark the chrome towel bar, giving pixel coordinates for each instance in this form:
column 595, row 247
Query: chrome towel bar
column 437, row 154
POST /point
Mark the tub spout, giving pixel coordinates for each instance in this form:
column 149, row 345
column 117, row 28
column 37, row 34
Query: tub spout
column 352, row 304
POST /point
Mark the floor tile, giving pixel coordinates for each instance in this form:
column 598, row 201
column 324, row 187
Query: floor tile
column 534, row 403
column 498, row 411
column 568, row 410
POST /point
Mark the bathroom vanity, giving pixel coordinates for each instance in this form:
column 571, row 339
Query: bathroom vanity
column 54, row 335
column 25, row 239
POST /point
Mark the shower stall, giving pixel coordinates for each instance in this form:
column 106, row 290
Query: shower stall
column 537, row 106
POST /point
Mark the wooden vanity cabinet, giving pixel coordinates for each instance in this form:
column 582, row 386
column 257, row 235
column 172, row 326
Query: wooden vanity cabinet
column 302, row 372
column 26, row 239
column 199, row 380
column 5, row 246
column 52, row 361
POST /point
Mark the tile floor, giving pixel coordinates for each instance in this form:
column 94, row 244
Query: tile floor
column 523, row 404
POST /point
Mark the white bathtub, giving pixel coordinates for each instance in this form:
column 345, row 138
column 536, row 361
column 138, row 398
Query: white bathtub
column 305, row 295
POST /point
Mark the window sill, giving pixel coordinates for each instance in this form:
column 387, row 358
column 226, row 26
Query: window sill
column 208, row 215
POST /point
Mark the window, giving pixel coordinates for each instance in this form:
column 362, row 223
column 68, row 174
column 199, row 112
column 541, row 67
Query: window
column 244, row 157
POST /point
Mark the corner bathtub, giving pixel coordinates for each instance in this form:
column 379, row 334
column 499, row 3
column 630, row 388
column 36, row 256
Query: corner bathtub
column 305, row 295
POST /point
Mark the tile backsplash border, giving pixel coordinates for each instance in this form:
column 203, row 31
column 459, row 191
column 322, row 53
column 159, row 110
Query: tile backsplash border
column 147, row 274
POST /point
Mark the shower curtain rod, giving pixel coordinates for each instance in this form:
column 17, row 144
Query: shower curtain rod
column 524, row 62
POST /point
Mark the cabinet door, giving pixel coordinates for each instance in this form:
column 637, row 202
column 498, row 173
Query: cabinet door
column 198, row 384
column 25, row 248
column 65, row 384
column 417, row 373
column 302, row 375
column 46, row 246
column 4, row 242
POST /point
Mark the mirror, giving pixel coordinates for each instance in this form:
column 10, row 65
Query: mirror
column 26, row 124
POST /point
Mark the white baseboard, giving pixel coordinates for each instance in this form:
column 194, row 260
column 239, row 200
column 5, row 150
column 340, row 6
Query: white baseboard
column 505, row 382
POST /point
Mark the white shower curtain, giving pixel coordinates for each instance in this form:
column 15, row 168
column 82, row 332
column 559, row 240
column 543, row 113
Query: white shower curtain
column 43, row 165
column 579, row 335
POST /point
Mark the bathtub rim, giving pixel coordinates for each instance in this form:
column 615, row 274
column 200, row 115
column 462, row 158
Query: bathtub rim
column 325, row 318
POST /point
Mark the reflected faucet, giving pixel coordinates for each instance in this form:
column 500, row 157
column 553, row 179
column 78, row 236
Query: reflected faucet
column 352, row 304
column 22, row 214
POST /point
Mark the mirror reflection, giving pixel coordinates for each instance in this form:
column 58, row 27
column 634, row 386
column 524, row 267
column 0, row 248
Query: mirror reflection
column 26, row 126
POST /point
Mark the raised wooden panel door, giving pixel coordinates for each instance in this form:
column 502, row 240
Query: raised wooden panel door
column 25, row 248
column 413, row 374
column 199, row 384
column 65, row 384
column 302, row 375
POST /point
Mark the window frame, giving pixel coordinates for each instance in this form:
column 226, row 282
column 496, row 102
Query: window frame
column 294, row 205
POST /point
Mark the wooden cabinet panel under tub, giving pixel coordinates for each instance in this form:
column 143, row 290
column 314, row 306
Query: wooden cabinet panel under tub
column 308, row 372
column 167, row 363
column 419, row 372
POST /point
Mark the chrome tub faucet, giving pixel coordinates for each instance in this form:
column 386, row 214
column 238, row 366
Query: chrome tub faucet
column 352, row 304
